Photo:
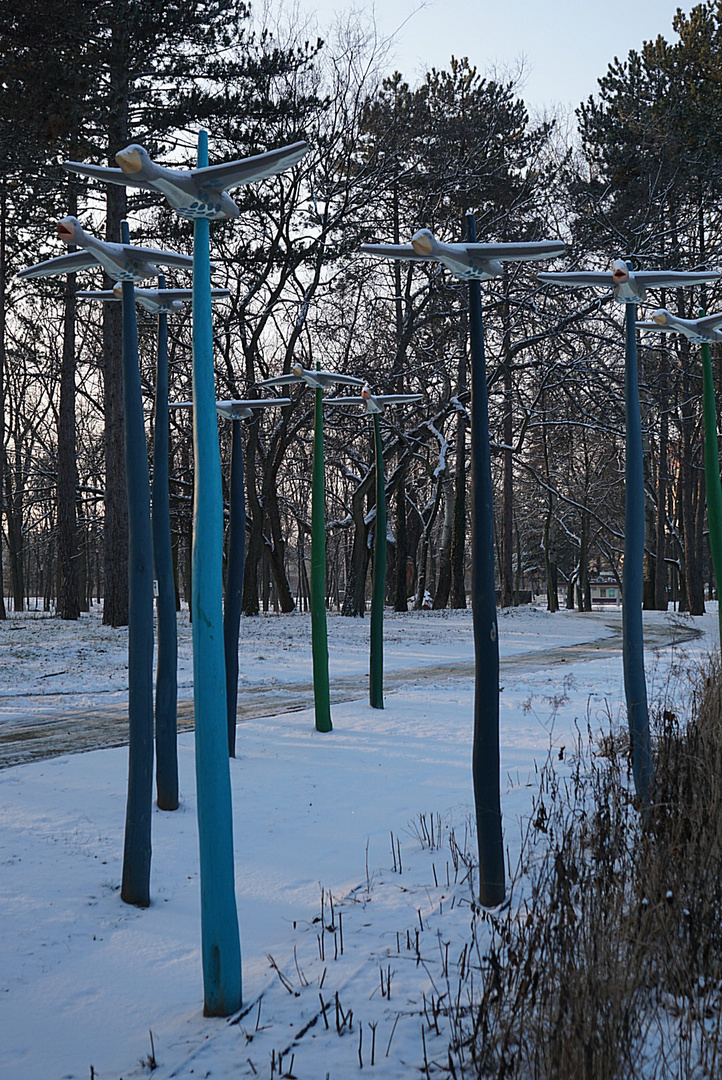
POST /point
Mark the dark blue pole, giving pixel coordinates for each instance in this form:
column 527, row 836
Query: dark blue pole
column 220, row 937
column 234, row 579
column 378, row 587
column 135, row 887
column 485, row 755
column 166, row 686
column 635, row 687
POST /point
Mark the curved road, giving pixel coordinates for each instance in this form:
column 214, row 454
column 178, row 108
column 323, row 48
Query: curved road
column 56, row 733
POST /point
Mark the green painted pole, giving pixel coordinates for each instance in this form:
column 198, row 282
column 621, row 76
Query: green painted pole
column 220, row 938
column 485, row 753
column 319, row 632
column 635, row 686
column 378, row 590
column 135, row 887
column 713, row 485
column 166, row 686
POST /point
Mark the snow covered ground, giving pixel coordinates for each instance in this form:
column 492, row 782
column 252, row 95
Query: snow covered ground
column 342, row 818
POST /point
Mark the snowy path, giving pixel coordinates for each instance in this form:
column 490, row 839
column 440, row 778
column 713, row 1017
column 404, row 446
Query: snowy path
column 32, row 732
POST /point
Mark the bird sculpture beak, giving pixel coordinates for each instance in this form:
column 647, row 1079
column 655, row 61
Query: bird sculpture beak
column 66, row 231
column 421, row 244
column 129, row 161
column 620, row 274
column 660, row 317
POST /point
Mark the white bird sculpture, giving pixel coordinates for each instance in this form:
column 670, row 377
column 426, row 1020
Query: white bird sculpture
column 156, row 301
column 122, row 262
column 466, row 261
column 237, row 408
column 193, row 193
column 318, row 380
column 628, row 285
column 376, row 403
column 699, row 331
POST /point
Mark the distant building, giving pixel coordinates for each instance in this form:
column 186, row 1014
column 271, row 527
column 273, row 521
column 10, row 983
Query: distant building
column 605, row 590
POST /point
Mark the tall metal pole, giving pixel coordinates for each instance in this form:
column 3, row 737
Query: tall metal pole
column 135, row 887
column 166, row 688
column 234, row 579
column 378, row 589
column 221, row 947
column 713, row 485
column 485, row 756
column 319, row 633
column 635, row 687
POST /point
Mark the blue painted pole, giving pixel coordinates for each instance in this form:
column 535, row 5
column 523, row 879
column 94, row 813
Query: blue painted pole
column 220, row 938
column 378, row 588
column 135, row 887
column 234, row 579
column 485, row 754
column 635, row 687
column 319, row 630
column 166, row 685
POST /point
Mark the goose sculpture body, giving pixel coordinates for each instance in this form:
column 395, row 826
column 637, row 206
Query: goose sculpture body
column 701, row 331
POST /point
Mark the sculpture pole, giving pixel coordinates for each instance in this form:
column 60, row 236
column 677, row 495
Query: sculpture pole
column 166, row 687
column 135, row 887
column 221, row 947
column 378, row 589
column 234, row 578
column 635, row 686
column 713, row 485
column 319, row 631
column 485, row 755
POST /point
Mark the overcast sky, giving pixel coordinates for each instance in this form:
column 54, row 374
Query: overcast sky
column 565, row 45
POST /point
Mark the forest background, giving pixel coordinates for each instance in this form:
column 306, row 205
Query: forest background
column 636, row 172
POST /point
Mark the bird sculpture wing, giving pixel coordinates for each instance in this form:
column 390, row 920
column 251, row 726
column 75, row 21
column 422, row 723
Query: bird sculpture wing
column 659, row 279
column 709, row 322
column 281, row 380
column 104, row 173
column 656, row 326
column 166, row 258
column 234, row 173
column 525, row 251
column 97, row 294
column 398, row 399
column 180, row 404
column 63, row 264
column 328, row 378
column 242, row 409
column 579, row 277
column 344, row 400
column 394, row 251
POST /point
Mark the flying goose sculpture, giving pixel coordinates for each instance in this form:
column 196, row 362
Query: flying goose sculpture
column 193, row 193
column 466, row 261
column 156, row 301
column 317, row 380
column 122, row 262
column 628, row 285
column 376, row 404
column 699, row 331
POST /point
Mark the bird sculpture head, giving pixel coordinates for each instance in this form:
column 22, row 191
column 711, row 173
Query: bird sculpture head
column 620, row 272
column 297, row 370
column 70, row 230
column 133, row 159
column 423, row 242
column 660, row 317
column 366, row 392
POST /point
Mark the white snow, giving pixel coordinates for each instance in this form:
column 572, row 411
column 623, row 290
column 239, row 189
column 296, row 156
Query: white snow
column 84, row 977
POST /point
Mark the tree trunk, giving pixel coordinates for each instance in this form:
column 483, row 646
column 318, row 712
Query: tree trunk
column 443, row 584
column 402, row 551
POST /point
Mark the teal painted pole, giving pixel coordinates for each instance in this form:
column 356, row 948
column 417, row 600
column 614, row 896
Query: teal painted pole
column 378, row 590
column 485, row 753
column 221, row 947
column 135, row 887
column 319, row 632
column 713, row 485
column 166, row 686
column 635, row 686
column 234, row 579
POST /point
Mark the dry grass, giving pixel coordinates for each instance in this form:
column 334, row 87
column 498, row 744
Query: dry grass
column 607, row 964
